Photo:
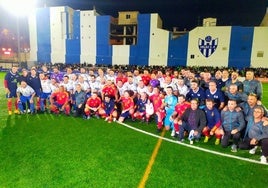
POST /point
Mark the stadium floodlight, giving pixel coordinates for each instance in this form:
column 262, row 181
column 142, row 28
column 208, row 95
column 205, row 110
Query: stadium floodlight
column 18, row 8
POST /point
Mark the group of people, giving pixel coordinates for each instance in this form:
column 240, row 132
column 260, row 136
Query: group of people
column 190, row 105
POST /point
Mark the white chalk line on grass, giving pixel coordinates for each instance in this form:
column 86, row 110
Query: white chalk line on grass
column 192, row 146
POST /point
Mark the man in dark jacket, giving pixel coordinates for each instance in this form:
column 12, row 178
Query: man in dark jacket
column 193, row 120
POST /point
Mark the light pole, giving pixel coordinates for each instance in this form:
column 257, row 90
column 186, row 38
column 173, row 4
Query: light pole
column 18, row 41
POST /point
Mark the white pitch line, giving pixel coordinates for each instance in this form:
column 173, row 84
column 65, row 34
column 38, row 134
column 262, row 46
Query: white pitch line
column 195, row 147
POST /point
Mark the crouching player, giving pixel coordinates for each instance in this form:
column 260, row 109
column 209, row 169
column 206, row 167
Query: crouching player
column 127, row 107
column 213, row 122
column 59, row 101
column 108, row 109
column 233, row 123
column 140, row 112
column 92, row 106
column 25, row 95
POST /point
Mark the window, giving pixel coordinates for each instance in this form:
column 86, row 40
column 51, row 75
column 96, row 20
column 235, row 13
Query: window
column 128, row 16
column 260, row 54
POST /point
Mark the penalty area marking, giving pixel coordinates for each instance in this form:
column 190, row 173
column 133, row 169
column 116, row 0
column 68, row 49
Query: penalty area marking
column 194, row 147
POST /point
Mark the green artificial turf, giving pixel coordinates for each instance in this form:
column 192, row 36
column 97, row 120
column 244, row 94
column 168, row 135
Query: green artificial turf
column 46, row 150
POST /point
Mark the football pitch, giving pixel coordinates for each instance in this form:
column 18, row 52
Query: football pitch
column 45, row 150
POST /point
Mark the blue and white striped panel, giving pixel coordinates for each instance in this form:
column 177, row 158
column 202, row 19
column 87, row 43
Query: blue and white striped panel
column 259, row 52
column 208, row 46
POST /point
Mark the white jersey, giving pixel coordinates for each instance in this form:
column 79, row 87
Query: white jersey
column 84, row 85
column 129, row 86
column 53, row 87
column 109, row 77
column 68, row 86
column 183, row 90
column 95, row 86
column 142, row 90
column 121, row 90
column 85, row 76
column 27, row 91
column 45, row 85
column 171, row 84
column 136, row 79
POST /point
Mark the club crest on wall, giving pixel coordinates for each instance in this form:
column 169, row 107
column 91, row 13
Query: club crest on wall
column 207, row 46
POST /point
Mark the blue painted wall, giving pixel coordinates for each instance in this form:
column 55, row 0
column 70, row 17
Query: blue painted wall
column 240, row 46
column 139, row 53
column 43, row 35
column 104, row 49
column 73, row 46
column 177, row 51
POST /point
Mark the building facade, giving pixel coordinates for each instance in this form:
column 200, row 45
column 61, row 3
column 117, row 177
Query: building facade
column 64, row 35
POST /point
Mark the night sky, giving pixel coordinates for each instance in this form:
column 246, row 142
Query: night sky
column 184, row 14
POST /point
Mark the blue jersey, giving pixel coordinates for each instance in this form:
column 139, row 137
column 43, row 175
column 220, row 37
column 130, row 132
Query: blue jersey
column 213, row 117
column 218, row 97
column 109, row 106
column 171, row 102
column 11, row 81
column 35, row 83
column 200, row 95
column 140, row 105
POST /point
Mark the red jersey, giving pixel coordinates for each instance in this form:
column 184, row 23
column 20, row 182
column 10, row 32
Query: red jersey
column 109, row 90
column 157, row 101
column 60, row 97
column 146, row 78
column 93, row 103
column 122, row 78
column 127, row 103
column 180, row 108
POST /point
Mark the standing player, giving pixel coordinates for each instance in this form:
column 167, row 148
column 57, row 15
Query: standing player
column 157, row 99
column 10, row 83
column 35, row 83
column 180, row 108
column 170, row 102
column 46, row 91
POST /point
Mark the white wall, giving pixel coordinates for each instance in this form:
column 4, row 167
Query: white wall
column 33, row 36
column 158, row 52
column 260, row 44
column 121, row 54
column 88, row 36
column 221, row 54
column 58, row 29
